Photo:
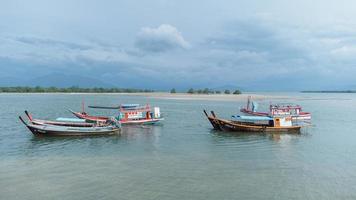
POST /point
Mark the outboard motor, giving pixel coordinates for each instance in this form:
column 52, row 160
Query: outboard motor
column 113, row 121
column 254, row 106
column 157, row 113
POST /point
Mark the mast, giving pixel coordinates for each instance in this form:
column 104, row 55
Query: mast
column 83, row 109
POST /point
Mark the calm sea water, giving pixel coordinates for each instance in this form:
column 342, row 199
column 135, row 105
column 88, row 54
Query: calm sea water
column 181, row 159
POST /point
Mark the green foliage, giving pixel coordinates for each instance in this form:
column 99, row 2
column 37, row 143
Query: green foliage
column 73, row 89
column 206, row 91
column 237, row 92
column 191, row 91
column 209, row 91
column 203, row 91
column 173, row 91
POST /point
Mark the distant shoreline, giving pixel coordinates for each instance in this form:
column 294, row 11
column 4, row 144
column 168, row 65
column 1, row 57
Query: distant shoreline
column 73, row 89
column 212, row 97
column 330, row 91
column 195, row 97
column 182, row 96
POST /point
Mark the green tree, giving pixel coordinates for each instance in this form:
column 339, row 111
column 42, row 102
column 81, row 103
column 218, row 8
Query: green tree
column 52, row 89
column 173, row 91
column 206, row 91
column 227, row 91
column 38, row 89
column 191, row 91
column 237, row 92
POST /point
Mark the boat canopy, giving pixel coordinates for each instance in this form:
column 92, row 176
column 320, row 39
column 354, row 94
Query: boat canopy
column 129, row 105
column 138, row 108
column 121, row 106
column 252, row 118
column 63, row 119
column 105, row 107
column 285, row 106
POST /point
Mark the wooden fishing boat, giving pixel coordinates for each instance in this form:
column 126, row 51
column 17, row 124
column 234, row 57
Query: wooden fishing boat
column 295, row 111
column 123, row 121
column 275, row 124
column 74, row 122
column 86, row 116
column 127, row 114
column 56, row 130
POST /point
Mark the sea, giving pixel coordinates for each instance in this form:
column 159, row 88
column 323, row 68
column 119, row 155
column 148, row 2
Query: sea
column 182, row 158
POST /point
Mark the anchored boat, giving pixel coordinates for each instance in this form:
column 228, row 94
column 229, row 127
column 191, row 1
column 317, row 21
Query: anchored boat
column 253, row 123
column 74, row 122
column 57, row 128
column 295, row 111
column 128, row 114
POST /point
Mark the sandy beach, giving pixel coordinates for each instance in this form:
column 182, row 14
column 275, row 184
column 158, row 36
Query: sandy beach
column 208, row 97
column 185, row 96
column 211, row 97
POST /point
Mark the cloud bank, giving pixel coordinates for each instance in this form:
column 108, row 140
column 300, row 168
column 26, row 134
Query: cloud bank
column 163, row 38
column 250, row 46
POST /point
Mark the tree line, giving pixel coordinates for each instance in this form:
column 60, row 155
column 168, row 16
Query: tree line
column 329, row 91
column 208, row 91
column 73, row 89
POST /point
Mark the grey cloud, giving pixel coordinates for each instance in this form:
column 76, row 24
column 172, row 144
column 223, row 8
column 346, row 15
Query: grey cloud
column 165, row 37
column 52, row 42
column 50, row 51
column 250, row 53
column 257, row 49
column 265, row 52
column 259, row 37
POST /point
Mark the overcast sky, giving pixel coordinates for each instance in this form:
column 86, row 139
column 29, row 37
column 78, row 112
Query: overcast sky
column 160, row 44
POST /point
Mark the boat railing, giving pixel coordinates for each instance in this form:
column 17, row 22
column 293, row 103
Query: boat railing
column 145, row 108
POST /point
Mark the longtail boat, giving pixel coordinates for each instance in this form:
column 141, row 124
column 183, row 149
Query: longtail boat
column 74, row 122
column 111, row 128
column 295, row 111
column 127, row 114
column 253, row 124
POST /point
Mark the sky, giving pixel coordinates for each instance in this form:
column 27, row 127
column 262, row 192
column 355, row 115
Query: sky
column 260, row 45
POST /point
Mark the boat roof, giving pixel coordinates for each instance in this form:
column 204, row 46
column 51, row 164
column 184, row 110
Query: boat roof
column 252, row 118
column 285, row 106
column 64, row 119
column 135, row 108
column 132, row 105
column 121, row 106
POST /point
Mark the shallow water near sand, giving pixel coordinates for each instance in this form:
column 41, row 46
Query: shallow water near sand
column 181, row 159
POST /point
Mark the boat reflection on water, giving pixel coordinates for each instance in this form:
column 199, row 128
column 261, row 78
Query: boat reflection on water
column 248, row 136
column 281, row 138
column 79, row 144
column 131, row 137
column 140, row 131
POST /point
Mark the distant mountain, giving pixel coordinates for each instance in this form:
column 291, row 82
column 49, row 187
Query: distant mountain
column 56, row 80
column 10, row 82
column 61, row 80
